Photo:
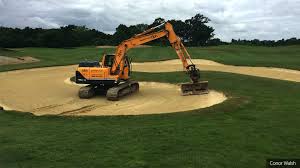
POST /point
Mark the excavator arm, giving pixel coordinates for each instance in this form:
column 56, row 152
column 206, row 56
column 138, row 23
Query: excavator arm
column 150, row 35
column 131, row 43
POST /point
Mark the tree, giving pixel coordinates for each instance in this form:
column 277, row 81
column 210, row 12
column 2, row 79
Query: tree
column 215, row 42
column 122, row 33
column 156, row 22
column 197, row 32
column 181, row 29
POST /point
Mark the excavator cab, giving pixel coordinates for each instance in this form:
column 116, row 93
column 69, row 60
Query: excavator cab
column 108, row 60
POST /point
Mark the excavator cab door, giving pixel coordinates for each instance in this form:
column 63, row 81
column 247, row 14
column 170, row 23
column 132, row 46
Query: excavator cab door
column 108, row 60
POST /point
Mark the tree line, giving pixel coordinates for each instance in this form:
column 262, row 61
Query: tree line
column 193, row 31
column 67, row 36
column 269, row 43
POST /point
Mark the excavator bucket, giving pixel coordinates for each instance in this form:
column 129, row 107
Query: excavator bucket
column 197, row 88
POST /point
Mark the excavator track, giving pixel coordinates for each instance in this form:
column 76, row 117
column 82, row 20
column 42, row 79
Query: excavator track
column 86, row 92
column 197, row 88
column 122, row 89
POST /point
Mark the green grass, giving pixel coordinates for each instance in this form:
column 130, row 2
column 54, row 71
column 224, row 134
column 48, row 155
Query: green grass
column 285, row 57
column 259, row 121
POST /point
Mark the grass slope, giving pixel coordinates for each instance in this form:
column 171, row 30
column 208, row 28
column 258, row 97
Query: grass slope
column 259, row 121
column 286, row 57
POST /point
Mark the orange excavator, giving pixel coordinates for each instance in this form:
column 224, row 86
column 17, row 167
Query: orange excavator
column 112, row 74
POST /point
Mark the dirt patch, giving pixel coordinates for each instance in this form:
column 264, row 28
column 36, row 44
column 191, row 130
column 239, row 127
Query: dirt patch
column 139, row 46
column 207, row 65
column 53, row 93
column 17, row 60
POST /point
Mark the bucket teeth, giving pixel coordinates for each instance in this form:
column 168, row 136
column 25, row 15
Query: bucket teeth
column 194, row 88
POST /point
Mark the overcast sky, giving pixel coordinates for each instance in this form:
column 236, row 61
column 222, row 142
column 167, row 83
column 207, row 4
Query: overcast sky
column 244, row 19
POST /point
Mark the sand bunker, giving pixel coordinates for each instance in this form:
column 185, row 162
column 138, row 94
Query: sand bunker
column 17, row 60
column 207, row 65
column 48, row 91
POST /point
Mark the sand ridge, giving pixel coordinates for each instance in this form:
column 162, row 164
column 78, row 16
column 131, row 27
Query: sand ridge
column 17, row 60
column 207, row 65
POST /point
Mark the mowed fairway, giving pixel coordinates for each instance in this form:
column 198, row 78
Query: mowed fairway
column 260, row 120
column 281, row 57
